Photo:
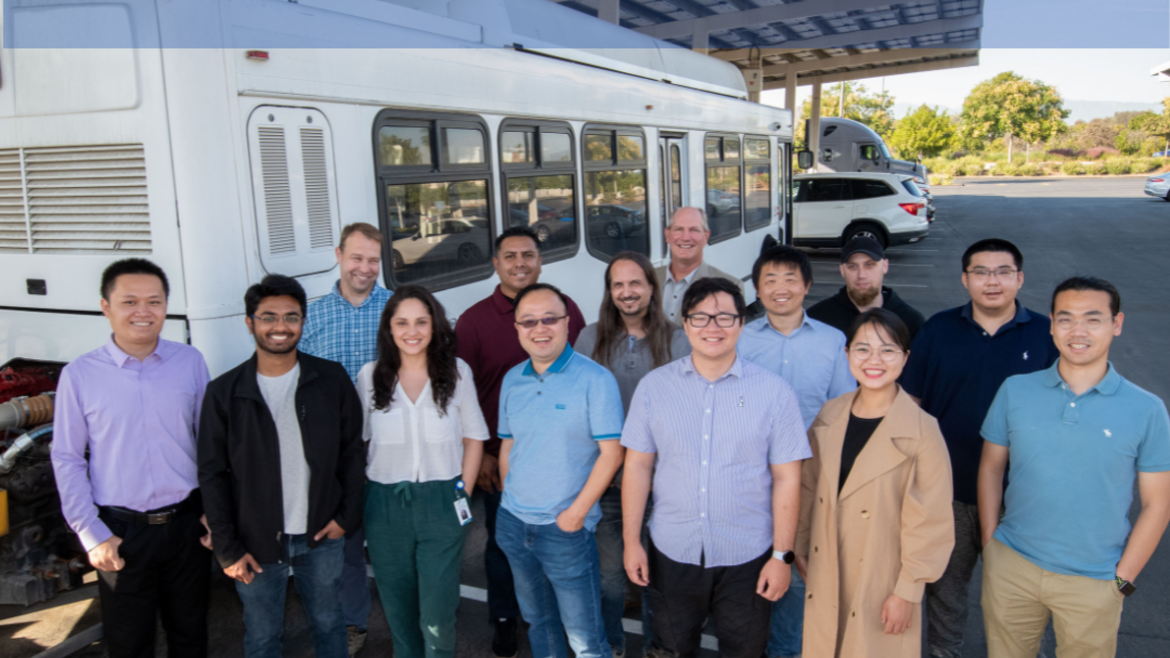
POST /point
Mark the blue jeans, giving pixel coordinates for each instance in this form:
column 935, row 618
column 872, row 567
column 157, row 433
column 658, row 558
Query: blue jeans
column 788, row 620
column 317, row 577
column 355, row 581
column 613, row 569
column 558, row 586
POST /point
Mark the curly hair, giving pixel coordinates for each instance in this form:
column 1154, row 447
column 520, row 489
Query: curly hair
column 441, row 365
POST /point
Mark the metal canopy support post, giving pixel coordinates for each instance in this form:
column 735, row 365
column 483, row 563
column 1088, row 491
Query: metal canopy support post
column 609, row 10
column 790, row 95
column 813, row 138
column 699, row 38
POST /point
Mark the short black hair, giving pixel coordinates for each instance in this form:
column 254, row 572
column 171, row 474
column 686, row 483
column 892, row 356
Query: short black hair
column 274, row 285
column 1082, row 283
column 131, row 266
column 783, row 255
column 517, row 232
column 886, row 321
column 995, row 245
column 535, row 287
column 701, row 289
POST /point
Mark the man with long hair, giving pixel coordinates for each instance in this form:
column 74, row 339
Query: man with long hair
column 631, row 337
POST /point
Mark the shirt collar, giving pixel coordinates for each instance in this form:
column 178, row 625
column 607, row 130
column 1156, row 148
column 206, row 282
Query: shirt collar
column 686, row 279
column 557, row 366
column 341, row 298
column 120, row 358
column 501, row 302
column 1022, row 315
column 1107, row 386
column 805, row 321
column 688, row 366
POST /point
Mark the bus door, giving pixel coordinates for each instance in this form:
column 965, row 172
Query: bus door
column 672, row 150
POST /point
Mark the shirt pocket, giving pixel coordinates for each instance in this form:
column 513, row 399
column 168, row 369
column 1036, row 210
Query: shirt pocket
column 443, row 428
column 388, row 427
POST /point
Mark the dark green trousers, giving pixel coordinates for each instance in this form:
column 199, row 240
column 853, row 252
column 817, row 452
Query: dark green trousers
column 416, row 549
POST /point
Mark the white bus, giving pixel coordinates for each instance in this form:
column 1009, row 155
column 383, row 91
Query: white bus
column 236, row 137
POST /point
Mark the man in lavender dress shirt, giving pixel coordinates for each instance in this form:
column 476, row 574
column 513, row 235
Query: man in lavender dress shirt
column 134, row 404
column 722, row 439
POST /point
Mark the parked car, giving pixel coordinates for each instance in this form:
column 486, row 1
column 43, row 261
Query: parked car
column 616, row 221
column 548, row 223
column 440, row 242
column 1159, row 185
column 831, row 209
column 720, row 203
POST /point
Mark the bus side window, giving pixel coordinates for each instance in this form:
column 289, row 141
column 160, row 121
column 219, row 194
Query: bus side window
column 539, row 170
column 615, row 191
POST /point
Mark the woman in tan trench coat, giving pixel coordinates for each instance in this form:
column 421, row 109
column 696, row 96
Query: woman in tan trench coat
column 869, row 544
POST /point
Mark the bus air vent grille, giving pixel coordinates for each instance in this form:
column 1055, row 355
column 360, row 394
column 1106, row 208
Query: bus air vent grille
column 74, row 200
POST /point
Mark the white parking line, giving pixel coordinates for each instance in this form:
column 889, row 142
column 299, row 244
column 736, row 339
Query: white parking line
column 630, row 625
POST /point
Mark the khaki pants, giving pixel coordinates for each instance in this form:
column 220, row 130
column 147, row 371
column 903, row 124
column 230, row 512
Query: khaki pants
column 1018, row 598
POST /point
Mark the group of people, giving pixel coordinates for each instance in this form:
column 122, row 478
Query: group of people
column 815, row 482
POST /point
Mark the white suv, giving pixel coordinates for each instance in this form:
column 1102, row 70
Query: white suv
column 830, row 209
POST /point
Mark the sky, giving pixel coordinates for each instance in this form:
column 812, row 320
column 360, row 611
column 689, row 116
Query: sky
column 1082, row 74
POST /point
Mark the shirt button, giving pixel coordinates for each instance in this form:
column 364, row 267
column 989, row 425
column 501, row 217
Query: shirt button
column 704, row 490
column 785, row 362
column 708, row 411
column 1072, row 404
column 703, row 514
column 705, row 437
column 704, row 463
column 985, row 333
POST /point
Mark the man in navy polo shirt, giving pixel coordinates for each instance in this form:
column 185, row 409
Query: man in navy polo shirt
column 957, row 363
column 1078, row 435
column 560, row 425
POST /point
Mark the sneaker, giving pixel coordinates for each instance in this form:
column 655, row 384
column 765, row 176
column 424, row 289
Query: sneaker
column 617, row 653
column 504, row 640
column 357, row 639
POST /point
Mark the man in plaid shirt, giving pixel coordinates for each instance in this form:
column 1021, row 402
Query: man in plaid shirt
column 343, row 327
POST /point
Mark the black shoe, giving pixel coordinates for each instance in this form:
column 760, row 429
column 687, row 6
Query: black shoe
column 504, row 640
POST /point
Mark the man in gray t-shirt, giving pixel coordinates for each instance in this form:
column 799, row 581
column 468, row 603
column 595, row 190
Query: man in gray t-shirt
column 631, row 338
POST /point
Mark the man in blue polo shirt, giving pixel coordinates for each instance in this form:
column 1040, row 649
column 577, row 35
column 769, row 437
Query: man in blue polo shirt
column 343, row 327
column 1078, row 434
column 957, row 362
column 810, row 355
column 560, row 425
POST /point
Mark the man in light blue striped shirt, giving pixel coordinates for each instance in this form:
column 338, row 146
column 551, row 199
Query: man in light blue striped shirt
column 810, row 356
column 343, row 327
column 722, row 439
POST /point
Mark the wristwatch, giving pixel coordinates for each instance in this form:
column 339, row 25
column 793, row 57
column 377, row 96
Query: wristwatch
column 1127, row 588
column 787, row 557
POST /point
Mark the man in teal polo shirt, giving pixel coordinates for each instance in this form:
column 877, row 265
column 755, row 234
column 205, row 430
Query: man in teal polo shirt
column 1078, row 434
column 560, row 425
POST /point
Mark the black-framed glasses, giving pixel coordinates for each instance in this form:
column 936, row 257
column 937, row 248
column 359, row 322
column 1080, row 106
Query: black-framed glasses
column 548, row 322
column 700, row 320
column 292, row 319
column 983, row 274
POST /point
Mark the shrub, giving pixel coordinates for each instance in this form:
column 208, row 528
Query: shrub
column 1072, row 168
column 1066, row 153
column 1031, row 169
column 1098, row 151
column 942, row 179
column 997, row 170
column 1117, row 167
column 1095, row 169
column 1009, row 169
column 1142, row 165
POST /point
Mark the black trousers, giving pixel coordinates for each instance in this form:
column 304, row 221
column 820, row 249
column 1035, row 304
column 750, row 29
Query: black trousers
column 682, row 596
column 501, row 588
column 167, row 574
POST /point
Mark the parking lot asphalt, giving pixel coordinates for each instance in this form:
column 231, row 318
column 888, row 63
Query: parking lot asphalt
column 1100, row 226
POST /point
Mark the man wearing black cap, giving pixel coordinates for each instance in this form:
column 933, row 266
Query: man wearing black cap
column 863, row 265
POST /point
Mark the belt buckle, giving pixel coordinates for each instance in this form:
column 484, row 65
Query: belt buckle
column 158, row 519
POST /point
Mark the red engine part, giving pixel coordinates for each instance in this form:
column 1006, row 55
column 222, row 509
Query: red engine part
column 26, row 381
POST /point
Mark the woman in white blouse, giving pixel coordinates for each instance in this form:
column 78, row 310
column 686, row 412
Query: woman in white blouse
column 425, row 432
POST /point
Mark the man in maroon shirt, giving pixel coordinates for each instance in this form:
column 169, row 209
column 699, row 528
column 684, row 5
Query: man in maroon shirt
column 489, row 344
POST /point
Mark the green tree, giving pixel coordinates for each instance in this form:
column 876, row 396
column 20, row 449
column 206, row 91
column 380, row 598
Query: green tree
column 1010, row 105
column 923, row 133
column 874, row 109
column 1157, row 125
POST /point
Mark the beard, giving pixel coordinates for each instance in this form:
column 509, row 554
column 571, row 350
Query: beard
column 263, row 345
column 638, row 310
column 864, row 297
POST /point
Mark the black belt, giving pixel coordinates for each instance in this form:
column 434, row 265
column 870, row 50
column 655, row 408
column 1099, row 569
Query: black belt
column 153, row 517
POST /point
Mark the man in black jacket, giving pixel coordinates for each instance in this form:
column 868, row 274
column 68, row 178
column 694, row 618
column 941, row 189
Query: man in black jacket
column 863, row 266
column 282, row 469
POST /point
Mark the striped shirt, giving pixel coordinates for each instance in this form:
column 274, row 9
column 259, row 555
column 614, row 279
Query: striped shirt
column 341, row 332
column 715, row 443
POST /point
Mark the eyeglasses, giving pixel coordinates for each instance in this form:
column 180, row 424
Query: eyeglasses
column 700, row 320
column 863, row 352
column 292, row 319
column 548, row 322
column 1092, row 323
column 983, row 274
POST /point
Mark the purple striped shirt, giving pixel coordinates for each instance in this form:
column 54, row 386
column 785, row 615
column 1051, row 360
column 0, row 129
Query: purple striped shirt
column 138, row 419
column 715, row 443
